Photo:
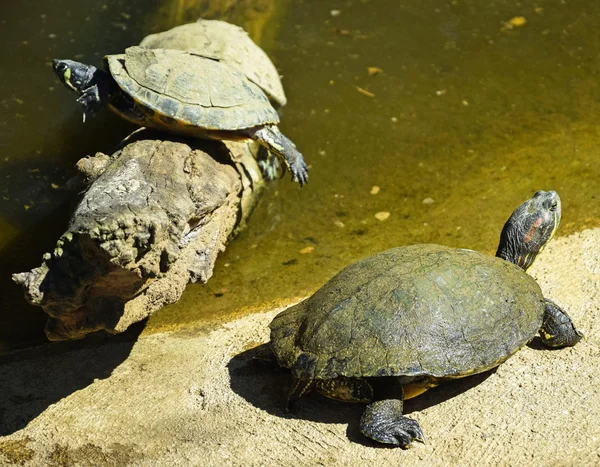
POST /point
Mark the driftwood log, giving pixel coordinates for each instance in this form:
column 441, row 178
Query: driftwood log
column 154, row 217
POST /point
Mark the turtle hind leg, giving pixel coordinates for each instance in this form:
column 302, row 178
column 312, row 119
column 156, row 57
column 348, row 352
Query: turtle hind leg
column 275, row 141
column 557, row 328
column 297, row 390
column 269, row 164
column 383, row 422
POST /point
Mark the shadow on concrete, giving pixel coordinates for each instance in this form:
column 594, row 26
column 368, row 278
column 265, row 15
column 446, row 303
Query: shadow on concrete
column 33, row 379
column 264, row 385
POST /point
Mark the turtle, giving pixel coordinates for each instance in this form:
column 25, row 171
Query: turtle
column 182, row 92
column 415, row 316
column 229, row 44
column 232, row 45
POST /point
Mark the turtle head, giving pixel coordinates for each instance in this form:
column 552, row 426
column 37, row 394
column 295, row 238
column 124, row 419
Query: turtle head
column 74, row 75
column 89, row 82
column 529, row 228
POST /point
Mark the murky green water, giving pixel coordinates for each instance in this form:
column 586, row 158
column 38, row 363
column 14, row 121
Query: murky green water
column 465, row 120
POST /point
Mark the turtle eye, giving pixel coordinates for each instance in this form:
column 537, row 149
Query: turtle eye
column 554, row 206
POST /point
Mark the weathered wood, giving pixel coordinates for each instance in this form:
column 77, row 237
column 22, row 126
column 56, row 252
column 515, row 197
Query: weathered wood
column 154, row 217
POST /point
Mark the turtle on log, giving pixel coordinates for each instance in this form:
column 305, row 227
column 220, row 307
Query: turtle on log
column 182, row 92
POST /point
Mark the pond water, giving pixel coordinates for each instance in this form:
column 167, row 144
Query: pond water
column 422, row 121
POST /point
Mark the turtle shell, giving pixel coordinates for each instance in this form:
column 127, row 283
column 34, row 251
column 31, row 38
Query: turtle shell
column 178, row 89
column 228, row 43
column 422, row 310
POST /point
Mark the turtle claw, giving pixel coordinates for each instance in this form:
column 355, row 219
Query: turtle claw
column 383, row 422
column 408, row 432
column 400, row 433
column 299, row 173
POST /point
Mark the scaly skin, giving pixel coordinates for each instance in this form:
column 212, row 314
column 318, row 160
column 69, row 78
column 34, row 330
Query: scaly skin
column 276, row 142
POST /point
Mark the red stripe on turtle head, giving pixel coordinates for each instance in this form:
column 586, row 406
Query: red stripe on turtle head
column 532, row 230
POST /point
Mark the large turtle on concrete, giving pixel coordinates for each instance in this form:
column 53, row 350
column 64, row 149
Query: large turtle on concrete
column 182, row 92
column 423, row 314
column 228, row 43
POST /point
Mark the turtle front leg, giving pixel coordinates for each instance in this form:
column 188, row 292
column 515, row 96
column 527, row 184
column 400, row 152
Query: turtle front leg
column 383, row 422
column 557, row 328
column 90, row 100
column 275, row 141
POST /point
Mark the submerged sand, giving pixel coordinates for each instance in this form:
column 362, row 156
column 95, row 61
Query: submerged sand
column 198, row 398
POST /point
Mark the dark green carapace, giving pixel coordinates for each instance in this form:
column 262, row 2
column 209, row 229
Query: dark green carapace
column 421, row 310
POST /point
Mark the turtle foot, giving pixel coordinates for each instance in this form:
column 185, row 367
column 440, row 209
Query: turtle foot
column 383, row 422
column 557, row 329
column 299, row 172
column 276, row 142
